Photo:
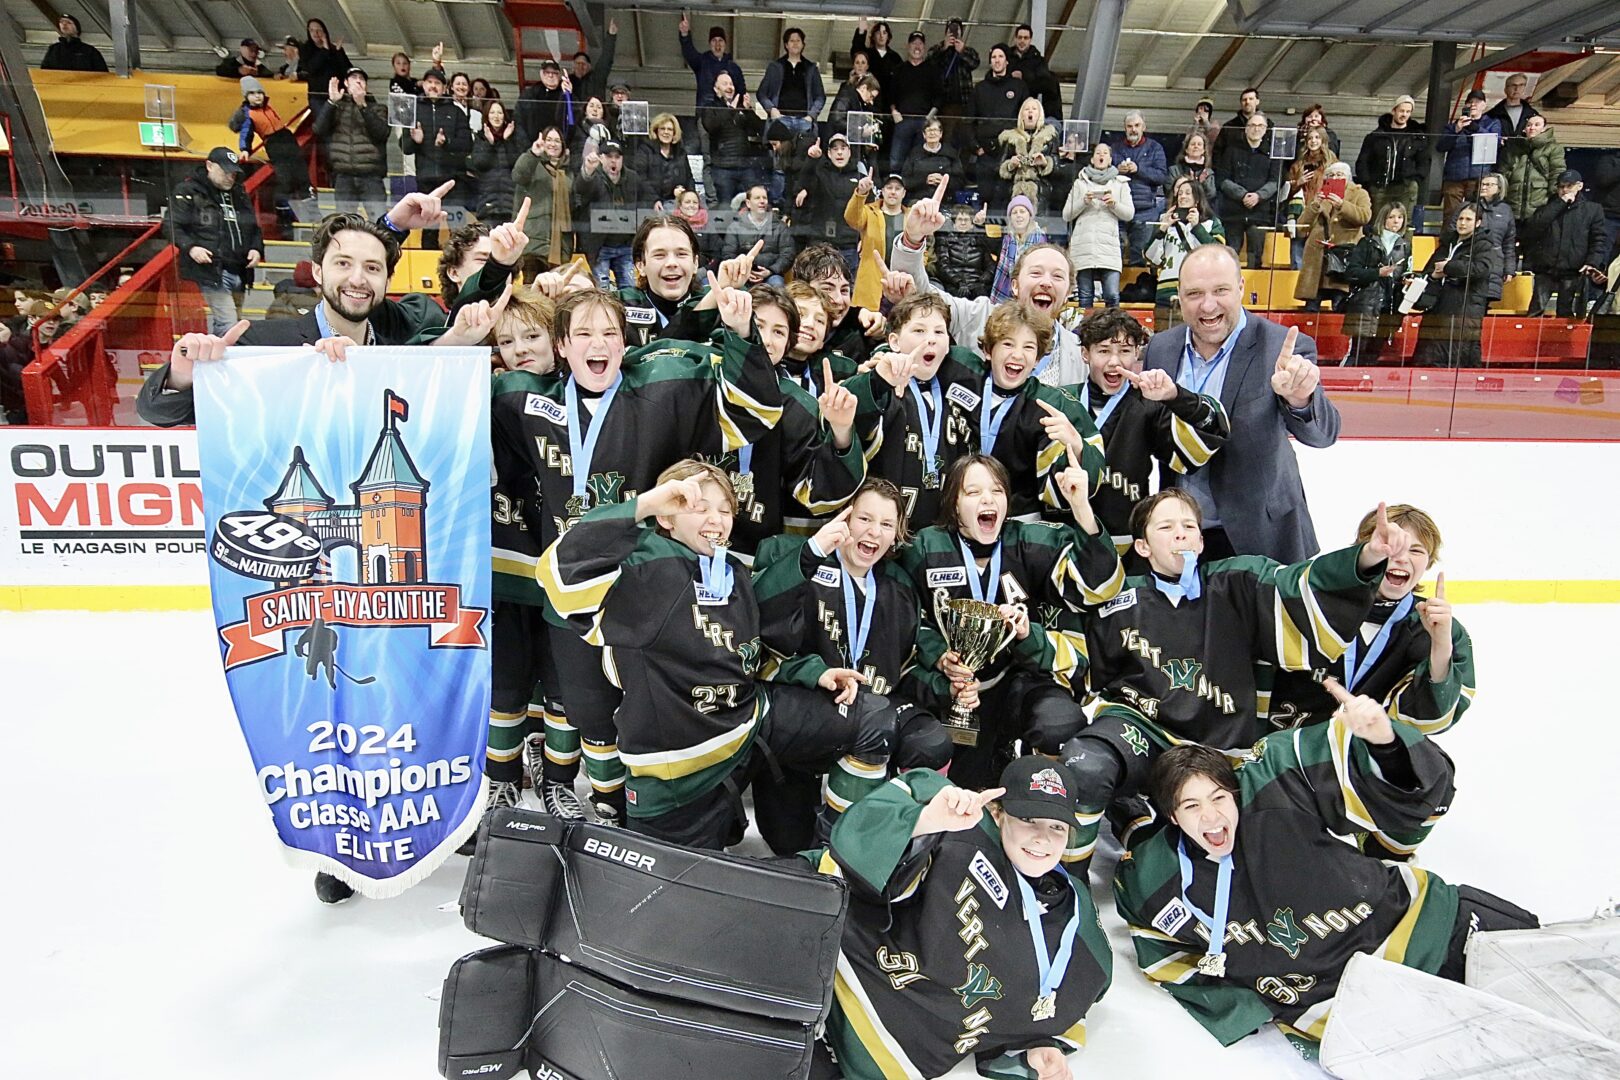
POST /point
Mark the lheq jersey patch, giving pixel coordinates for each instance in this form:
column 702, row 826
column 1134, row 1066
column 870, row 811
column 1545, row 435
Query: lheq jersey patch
column 540, row 405
column 1048, row 782
column 1126, row 599
column 640, row 316
column 986, row 876
column 709, row 599
column 828, row 576
column 963, row 396
column 1172, row 917
column 945, row 576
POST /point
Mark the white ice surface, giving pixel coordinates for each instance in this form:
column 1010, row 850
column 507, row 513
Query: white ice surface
column 153, row 930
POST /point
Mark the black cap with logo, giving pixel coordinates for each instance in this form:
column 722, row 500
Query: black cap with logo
column 1038, row 787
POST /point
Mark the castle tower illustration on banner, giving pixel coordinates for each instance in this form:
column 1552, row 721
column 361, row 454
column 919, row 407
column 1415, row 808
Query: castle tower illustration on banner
column 386, row 523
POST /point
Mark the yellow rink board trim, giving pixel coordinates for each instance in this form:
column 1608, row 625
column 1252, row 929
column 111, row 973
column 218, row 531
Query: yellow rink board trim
column 195, row 597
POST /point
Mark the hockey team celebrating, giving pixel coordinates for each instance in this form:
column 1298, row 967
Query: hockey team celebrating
column 940, row 590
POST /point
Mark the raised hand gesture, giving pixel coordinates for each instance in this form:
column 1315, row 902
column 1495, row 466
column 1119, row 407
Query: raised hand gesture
column 955, row 809
column 736, row 307
column 1154, row 384
column 1436, row 615
column 833, row 535
column 506, row 242
column 421, row 211
column 897, row 285
column 738, row 271
column 192, row 348
column 1058, row 427
column 925, row 218
column 844, row 683
column 685, row 25
column 334, row 92
column 837, row 407
column 438, row 54
column 476, row 322
column 1388, row 541
column 873, row 324
column 1365, row 718
column 895, row 368
column 670, row 498
column 1296, row 376
column 557, row 284
column 1076, row 488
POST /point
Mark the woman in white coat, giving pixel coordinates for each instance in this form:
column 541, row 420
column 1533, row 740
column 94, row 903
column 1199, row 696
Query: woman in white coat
column 1098, row 202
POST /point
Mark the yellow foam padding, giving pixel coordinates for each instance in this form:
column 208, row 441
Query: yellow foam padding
column 418, row 271
column 1516, row 293
column 195, row 597
column 95, row 113
column 1423, row 250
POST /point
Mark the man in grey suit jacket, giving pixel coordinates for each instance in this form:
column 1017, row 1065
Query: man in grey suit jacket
column 1266, row 377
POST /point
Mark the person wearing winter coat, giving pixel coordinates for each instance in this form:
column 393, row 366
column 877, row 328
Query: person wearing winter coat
column 962, row 262
column 440, row 142
column 1570, row 244
column 607, row 198
column 1606, row 190
column 875, row 44
column 1098, row 202
column 757, row 222
column 862, row 93
column 1019, row 232
column 217, row 231
column 956, row 62
column 1187, row 223
column 256, row 117
column 818, row 202
column 996, row 101
column 734, row 147
column 1195, row 161
column 792, row 90
column 1142, row 162
column 1028, row 149
column 1514, row 111
column 1498, row 226
column 1305, row 177
column 495, row 151
column 1376, row 271
column 354, row 130
column 68, row 52
column 1248, row 182
column 1532, row 165
column 1394, row 158
column 540, row 175
column 929, row 162
column 1331, row 221
column 662, row 160
column 709, row 66
column 1461, row 175
column 1459, row 276
column 320, row 60
column 880, row 223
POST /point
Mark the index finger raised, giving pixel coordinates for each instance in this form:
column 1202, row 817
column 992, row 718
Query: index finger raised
column 522, row 214
column 827, row 379
column 235, row 332
column 759, row 246
column 1050, row 411
column 989, row 795
column 1337, row 691
column 1440, row 585
column 939, row 190
column 442, row 190
column 575, row 264
column 1288, row 344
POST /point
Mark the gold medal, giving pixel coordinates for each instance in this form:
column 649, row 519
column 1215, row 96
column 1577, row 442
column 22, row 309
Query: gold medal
column 1045, row 1007
column 1213, row 965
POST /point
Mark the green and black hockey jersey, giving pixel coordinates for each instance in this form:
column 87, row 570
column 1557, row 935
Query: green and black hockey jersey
column 1054, row 569
column 805, row 627
column 1302, row 901
column 515, row 526
column 937, row 960
column 1182, row 433
column 674, row 399
column 685, row 658
column 650, row 318
column 1186, row 668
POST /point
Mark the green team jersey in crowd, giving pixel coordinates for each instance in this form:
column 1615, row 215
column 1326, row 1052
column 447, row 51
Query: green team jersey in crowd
column 650, row 318
column 937, row 961
column 1185, row 669
column 1182, row 433
column 674, row 398
column 1302, row 900
column 806, row 630
column 1053, row 568
column 684, row 657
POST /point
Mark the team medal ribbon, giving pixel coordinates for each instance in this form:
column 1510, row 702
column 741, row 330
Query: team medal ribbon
column 990, row 420
column 584, row 448
column 930, row 429
column 1188, row 586
column 1213, row 962
column 972, row 567
column 323, row 325
column 1050, row 969
column 1107, row 410
column 715, row 578
column 1354, row 673
column 745, row 475
column 857, row 630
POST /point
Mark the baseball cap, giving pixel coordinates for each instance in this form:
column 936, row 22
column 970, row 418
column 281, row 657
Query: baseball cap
column 611, row 147
column 1569, row 176
column 290, row 40
column 1477, row 95
column 916, row 35
column 838, row 136
column 619, row 85
column 250, row 41
column 550, row 65
column 1038, row 787
column 894, row 178
column 360, row 72
column 225, row 158
column 437, row 73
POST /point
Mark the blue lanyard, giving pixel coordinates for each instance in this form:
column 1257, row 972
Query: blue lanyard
column 930, row 428
column 1050, row 969
column 715, row 579
column 1108, row 409
column 1223, row 897
column 856, row 631
column 979, row 591
column 1353, row 672
column 1189, row 586
column 324, row 326
column 583, row 449
column 1046, row 361
column 745, row 460
column 990, row 423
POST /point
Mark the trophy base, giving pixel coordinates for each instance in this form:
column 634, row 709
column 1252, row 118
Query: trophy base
column 963, row 729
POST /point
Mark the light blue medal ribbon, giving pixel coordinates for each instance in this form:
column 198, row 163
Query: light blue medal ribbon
column 1046, row 361
column 979, row 591
column 583, row 448
column 1213, row 962
column 1189, row 586
column 990, row 421
column 1353, row 672
column 1050, row 969
column 930, row 428
column 1107, row 410
column 323, row 325
column 716, row 579
column 857, row 630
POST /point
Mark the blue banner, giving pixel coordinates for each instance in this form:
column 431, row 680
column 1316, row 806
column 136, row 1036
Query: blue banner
column 347, row 511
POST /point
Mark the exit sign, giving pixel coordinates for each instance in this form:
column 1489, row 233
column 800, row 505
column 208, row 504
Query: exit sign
column 162, row 135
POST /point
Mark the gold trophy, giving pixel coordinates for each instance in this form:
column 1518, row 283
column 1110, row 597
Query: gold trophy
column 976, row 632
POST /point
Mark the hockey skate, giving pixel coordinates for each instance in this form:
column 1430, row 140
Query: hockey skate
column 501, row 793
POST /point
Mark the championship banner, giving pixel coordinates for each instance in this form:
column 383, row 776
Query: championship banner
column 346, row 516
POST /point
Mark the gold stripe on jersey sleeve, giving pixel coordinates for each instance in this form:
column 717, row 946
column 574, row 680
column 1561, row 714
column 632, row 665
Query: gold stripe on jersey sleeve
column 1176, row 968
column 1193, row 451
column 1417, row 887
column 570, row 599
column 515, row 563
column 674, row 764
column 1328, row 641
column 863, row 1019
column 802, row 492
column 1290, row 643
column 1339, row 743
column 1076, row 1036
column 727, row 393
column 870, row 448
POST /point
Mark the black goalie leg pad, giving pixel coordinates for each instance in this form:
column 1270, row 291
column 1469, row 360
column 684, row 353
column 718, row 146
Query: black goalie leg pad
column 484, row 1013
column 514, row 876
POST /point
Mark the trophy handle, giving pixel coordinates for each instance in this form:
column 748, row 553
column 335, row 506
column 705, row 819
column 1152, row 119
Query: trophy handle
column 941, row 598
column 1010, row 632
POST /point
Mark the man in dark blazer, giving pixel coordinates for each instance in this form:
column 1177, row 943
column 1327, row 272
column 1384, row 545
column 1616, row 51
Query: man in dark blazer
column 1266, row 377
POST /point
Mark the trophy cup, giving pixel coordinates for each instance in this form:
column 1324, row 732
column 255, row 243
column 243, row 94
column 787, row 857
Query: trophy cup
column 976, row 632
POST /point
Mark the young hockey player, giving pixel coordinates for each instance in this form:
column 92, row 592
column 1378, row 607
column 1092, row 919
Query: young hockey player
column 850, row 329
column 1409, row 654
column 678, row 626
column 811, row 460
column 665, row 253
column 1173, row 655
column 810, row 348
column 964, row 934
column 1143, row 417
column 600, row 431
column 839, row 600
column 1256, row 852
column 1037, row 573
